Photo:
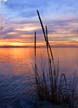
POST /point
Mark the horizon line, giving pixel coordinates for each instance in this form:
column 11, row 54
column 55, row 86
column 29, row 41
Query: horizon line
column 40, row 46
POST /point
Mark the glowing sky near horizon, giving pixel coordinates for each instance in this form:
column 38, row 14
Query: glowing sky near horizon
column 18, row 21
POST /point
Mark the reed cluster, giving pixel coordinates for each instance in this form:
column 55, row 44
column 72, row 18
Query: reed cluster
column 55, row 89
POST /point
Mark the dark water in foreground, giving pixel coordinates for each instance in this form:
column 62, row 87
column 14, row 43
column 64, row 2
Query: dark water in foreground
column 17, row 77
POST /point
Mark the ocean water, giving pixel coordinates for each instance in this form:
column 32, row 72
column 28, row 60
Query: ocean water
column 17, row 73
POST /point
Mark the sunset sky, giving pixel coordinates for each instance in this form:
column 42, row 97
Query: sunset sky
column 18, row 21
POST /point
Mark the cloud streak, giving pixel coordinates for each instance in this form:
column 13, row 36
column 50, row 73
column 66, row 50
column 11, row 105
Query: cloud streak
column 58, row 31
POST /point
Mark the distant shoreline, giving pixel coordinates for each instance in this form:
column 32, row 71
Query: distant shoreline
column 38, row 47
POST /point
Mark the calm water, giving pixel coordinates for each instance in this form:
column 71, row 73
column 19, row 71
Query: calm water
column 16, row 75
